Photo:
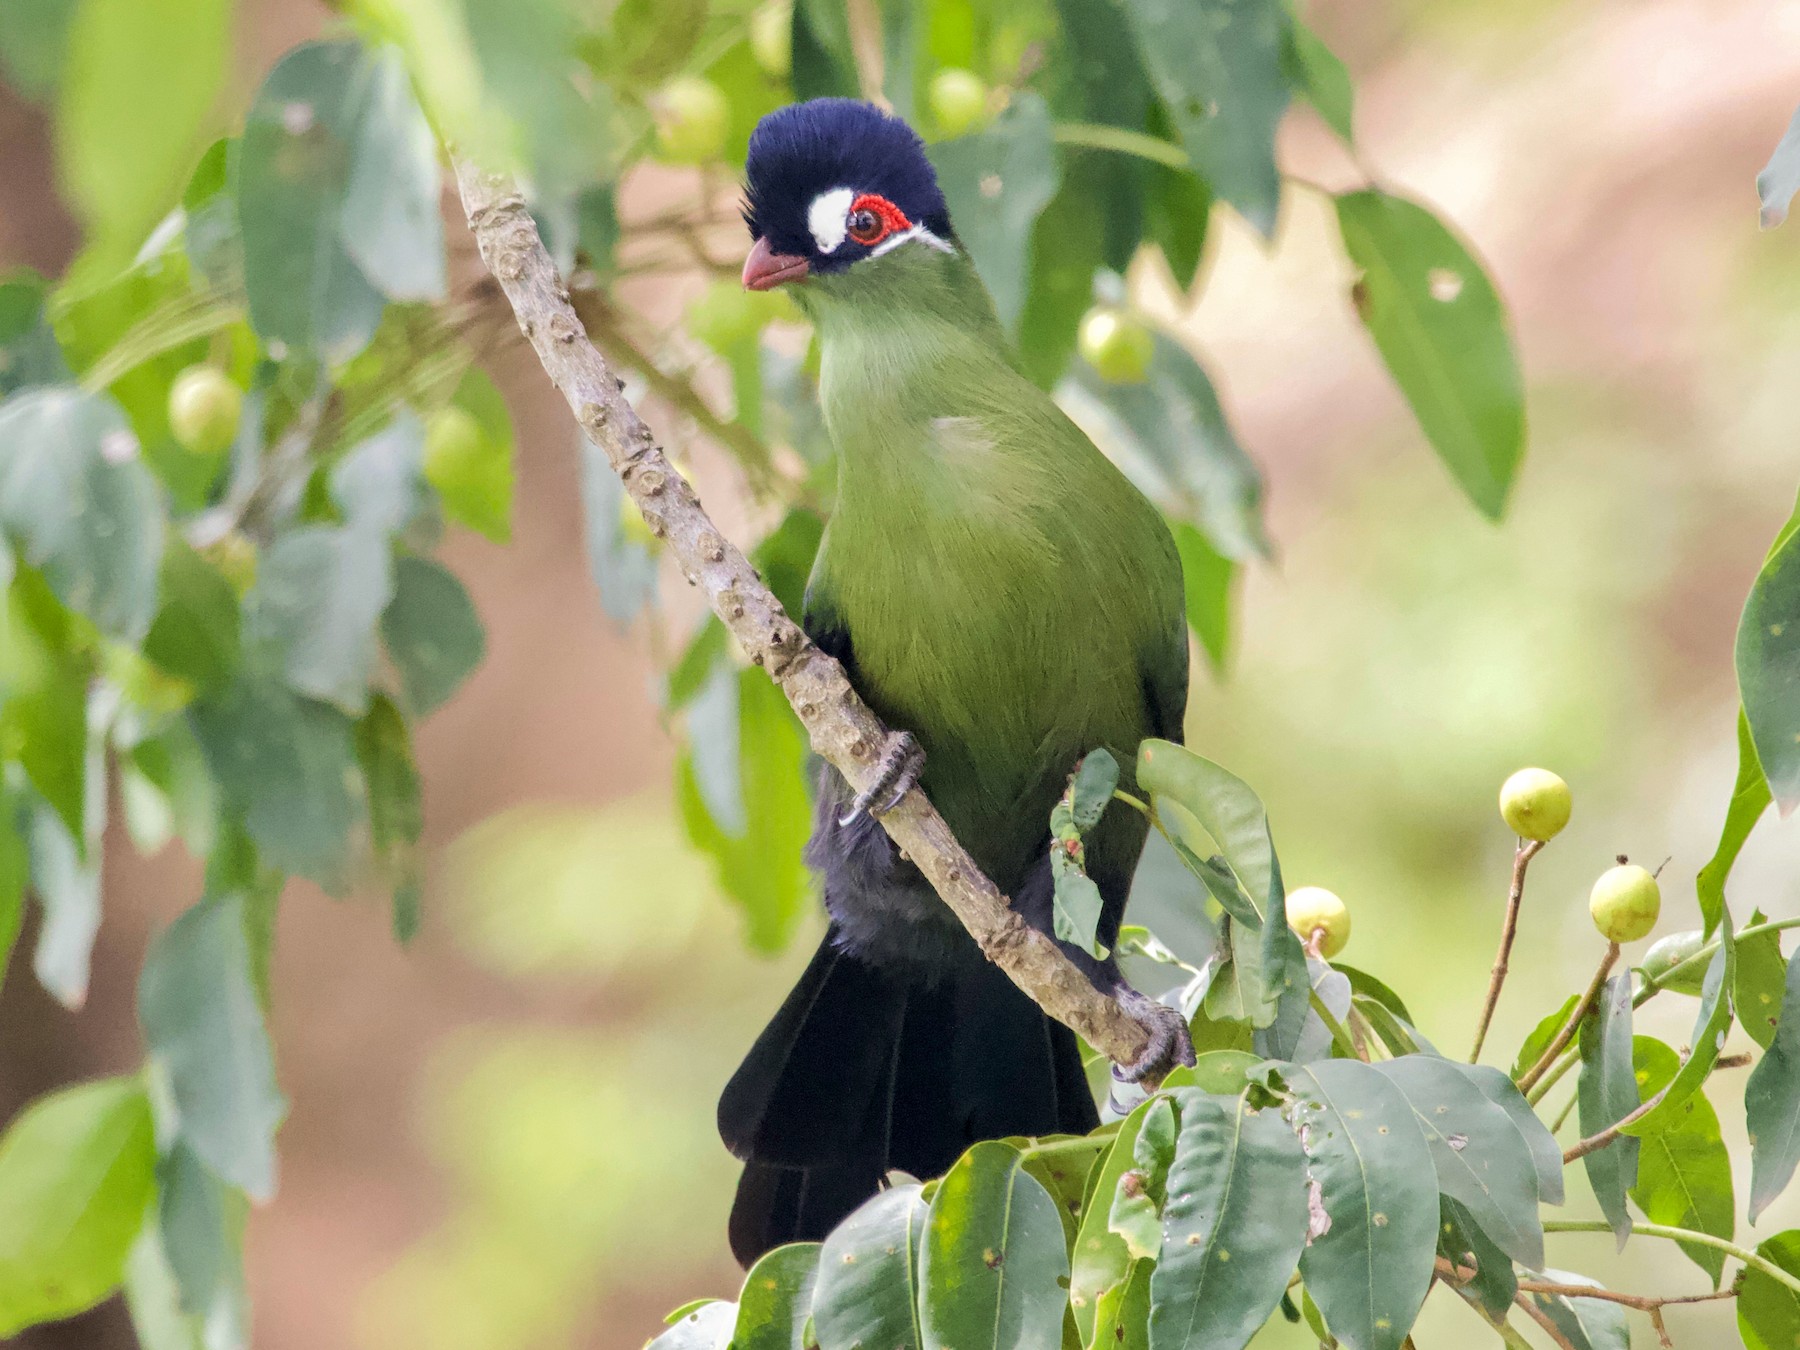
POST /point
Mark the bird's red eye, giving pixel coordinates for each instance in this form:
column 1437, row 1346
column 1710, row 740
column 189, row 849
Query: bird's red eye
column 873, row 219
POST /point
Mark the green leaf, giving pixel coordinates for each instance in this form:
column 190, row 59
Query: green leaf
column 141, row 77
column 1320, row 78
column 996, row 182
column 1092, row 787
column 1750, row 797
column 432, row 632
column 396, row 819
column 81, row 506
column 1365, row 984
column 43, row 697
column 777, row 1299
column 716, row 751
column 824, row 64
column 1756, row 991
column 1443, row 332
column 761, row 869
column 320, row 591
column 1170, row 437
column 1607, row 1093
column 706, row 1327
column 389, row 219
column 1207, row 576
column 475, row 481
column 1780, row 178
column 67, row 886
column 1587, row 1323
column 1711, row 1024
column 1546, row 1154
column 1684, row 1172
column 867, row 1292
column 205, row 1029
column 285, row 764
column 294, row 166
column 1370, row 1267
column 1461, row 1242
column 1772, row 1104
column 1076, row 903
column 992, row 1267
column 1768, row 666
column 1234, row 1227
column 623, row 569
column 1224, row 1073
column 1217, row 67
column 1135, row 1214
column 29, row 354
column 1063, row 1165
column 195, row 633
column 1768, row 1312
column 1541, row 1037
column 1228, row 811
column 34, row 34
column 1100, row 1259
column 200, row 1224
column 1122, row 1317
column 1481, row 1160
column 379, row 483
column 76, row 1171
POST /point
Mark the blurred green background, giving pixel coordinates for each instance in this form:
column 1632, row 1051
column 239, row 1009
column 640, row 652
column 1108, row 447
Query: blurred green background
column 502, row 1137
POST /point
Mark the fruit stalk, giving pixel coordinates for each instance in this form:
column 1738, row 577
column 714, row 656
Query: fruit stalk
column 1509, row 929
column 1582, row 1007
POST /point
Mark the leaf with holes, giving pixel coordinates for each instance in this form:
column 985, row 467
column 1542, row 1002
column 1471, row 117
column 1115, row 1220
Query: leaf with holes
column 1480, row 1159
column 992, row 1266
column 1234, row 1226
column 1442, row 330
column 1369, row 1262
column 867, row 1291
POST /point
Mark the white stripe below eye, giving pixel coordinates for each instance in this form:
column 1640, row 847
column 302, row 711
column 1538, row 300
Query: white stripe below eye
column 919, row 232
column 828, row 218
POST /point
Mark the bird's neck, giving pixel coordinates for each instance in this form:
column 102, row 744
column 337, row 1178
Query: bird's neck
column 906, row 340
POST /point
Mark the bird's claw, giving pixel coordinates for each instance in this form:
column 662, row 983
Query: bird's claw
column 1170, row 1044
column 897, row 773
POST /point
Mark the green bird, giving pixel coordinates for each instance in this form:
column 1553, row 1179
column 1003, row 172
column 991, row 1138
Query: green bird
column 1000, row 594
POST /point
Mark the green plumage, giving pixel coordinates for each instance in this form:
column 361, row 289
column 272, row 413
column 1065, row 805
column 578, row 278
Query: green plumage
column 1009, row 597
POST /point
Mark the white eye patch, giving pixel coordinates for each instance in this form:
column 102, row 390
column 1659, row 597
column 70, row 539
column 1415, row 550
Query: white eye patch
column 828, row 218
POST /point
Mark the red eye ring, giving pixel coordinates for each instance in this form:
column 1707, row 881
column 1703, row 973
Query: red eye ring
column 873, row 218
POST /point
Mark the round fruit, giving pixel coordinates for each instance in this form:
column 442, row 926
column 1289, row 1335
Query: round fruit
column 959, row 102
column 1311, row 908
column 1535, row 804
column 452, row 439
column 1625, row 902
column 1116, row 344
column 1666, row 962
column 692, row 118
column 772, row 38
column 204, row 408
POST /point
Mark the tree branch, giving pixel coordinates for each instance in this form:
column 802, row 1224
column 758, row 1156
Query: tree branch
column 1509, row 929
column 1582, row 1007
column 841, row 727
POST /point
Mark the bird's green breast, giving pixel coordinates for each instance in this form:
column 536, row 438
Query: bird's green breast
column 1001, row 583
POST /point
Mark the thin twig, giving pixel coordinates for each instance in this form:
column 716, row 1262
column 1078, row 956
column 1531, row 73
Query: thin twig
column 839, row 724
column 1595, row 1142
column 1543, row 1319
column 1509, row 929
column 1458, row 1276
column 1579, row 1011
column 1662, row 1332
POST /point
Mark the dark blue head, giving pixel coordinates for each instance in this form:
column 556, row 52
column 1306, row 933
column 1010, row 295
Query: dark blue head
column 831, row 182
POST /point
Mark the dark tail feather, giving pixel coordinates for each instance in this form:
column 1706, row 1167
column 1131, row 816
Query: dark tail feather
column 859, row 1074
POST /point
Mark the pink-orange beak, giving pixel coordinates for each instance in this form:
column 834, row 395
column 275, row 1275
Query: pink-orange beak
column 766, row 269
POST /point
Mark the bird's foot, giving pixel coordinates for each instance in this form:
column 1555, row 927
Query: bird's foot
column 896, row 774
column 1169, row 1045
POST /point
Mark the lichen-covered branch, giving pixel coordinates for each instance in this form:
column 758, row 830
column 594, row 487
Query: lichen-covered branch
column 842, row 729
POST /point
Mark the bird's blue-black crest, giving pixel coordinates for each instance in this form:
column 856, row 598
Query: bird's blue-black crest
column 799, row 151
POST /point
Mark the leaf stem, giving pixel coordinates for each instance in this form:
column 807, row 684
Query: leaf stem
column 1579, row 1011
column 1760, row 1264
column 1509, row 929
column 1338, row 1032
column 1098, row 136
column 1552, row 1078
column 1135, row 803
